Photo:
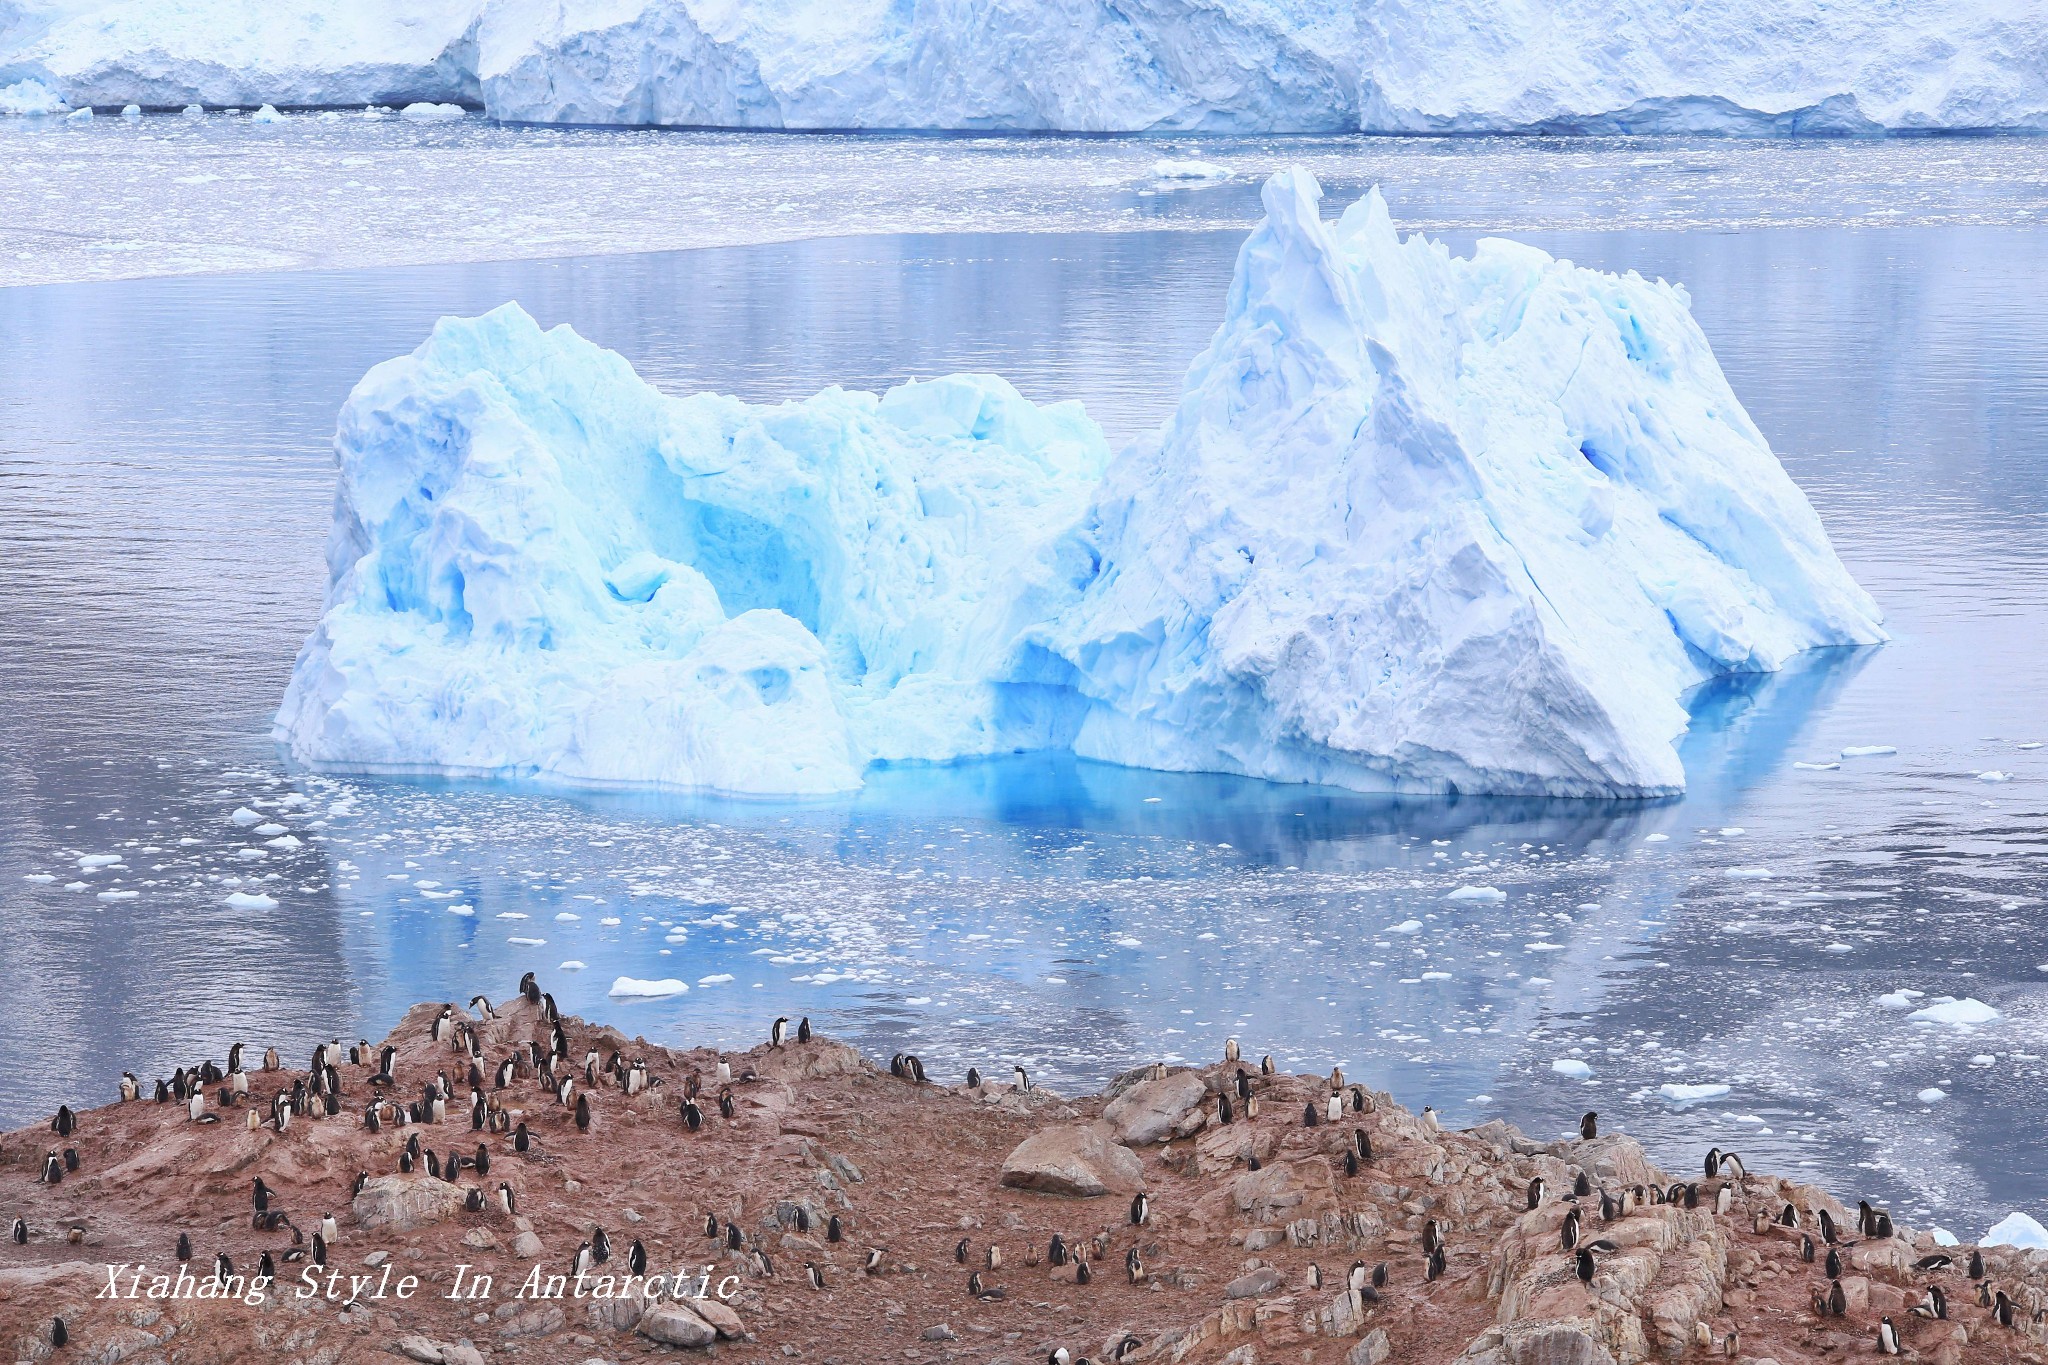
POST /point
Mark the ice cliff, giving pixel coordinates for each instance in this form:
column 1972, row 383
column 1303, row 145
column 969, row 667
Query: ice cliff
column 1420, row 522
column 1255, row 66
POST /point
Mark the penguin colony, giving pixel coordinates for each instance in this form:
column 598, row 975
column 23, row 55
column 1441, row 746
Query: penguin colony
column 530, row 1103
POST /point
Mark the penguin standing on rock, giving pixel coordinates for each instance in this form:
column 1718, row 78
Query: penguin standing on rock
column 1589, row 1126
column 778, row 1032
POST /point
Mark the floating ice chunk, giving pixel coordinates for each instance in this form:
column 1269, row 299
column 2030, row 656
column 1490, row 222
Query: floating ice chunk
column 572, row 965
column 1734, row 830
column 1406, row 926
column 39, row 878
column 286, row 842
column 1542, row 946
column 2017, row 1229
column 245, row 817
column 1573, row 1068
column 1817, row 767
column 267, row 114
column 1838, row 948
column 76, row 886
column 715, row 979
column 250, row 900
column 92, row 860
column 132, row 112
column 2031, row 744
column 30, row 98
column 1435, row 976
column 1477, row 893
column 1931, row 1095
column 632, row 986
column 432, row 113
column 1683, row 1095
column 119, row 895
column 1899, row 1000
column 1749, row 874
column 460, row 909
column 1655, row 838
column 1189, row 170
column 609, row 919
column 194, row 111
column 265, row 830
column 82, row 114
column 1994, row 776
column 1867, row 750
column 1984, row 1059
column 1949, row 1011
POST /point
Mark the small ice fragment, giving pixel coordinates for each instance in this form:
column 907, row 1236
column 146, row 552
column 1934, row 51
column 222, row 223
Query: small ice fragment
column 287, row 842
column 1542, row 946
column 1867, row 750
column 1152, row 800
column 39, row 878
column 528, row 942
column 431, row 113
column 93, row 860
column 195, row 111
column 1984, row 1059
column 1572, row 1067
column 715, row 979
column 1749, row 874
column 1477, row 893
column 567, row 916
column 1691, row 1094
column 1931, row 1095
column 264, row 831
column 632, row 986
column 1406, row 926
column 1734, row 830
column 460, row 909
column 131, row 112
column 247, row 900
column 1055, row 981
column 1817, row 767
column 1898, row 1000
column 80, row 114
column 1655, row 838
column 75, row 886
column 267, row 114
column 609, row 919
column 572, row 965
column 1837, row 948
column 2016, row 1229
column 1436, row 976
column 245, row 817
column 1994, row 776
column 1964, row 1011
column 119, row 895
column 1189, row 170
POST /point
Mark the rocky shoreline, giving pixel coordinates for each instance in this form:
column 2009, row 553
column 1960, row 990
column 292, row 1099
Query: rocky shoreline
column 798, row 1202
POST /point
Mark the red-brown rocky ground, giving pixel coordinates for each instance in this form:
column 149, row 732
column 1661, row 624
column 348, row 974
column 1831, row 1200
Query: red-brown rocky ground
column 1228, row 1252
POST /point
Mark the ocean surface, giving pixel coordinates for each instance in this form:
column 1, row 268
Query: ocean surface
column 165, row 488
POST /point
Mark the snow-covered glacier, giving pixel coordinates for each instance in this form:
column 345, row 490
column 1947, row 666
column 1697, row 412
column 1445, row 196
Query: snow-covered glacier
column 1420, row 522
column 1246, row 66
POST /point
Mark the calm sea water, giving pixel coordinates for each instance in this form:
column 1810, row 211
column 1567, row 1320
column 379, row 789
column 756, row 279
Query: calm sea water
column 165, row 480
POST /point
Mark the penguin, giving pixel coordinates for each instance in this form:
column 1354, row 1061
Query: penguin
column 483, row 1160
column 1984, row 1294
column 583, row 1113
column 1310, row 1117
column 520, row 1141
column 1336, row 1108
column 1732, row 1167
column 238, row 1082
column 833, row 1232
column 1379, row 1276
column 1230, row 1050
column 266, row 1269
column 362, row 1179
column 1021, row 1078
column 1713, row 1162
column 993, row 1256
column 763, row 1267
column 1351, row 1164
column 1361, row 1144
column 1535, row 1192
column 728, row 1109
column 70, row 1159
column 319, row 1253
column 693, row 1117
column 1224, row 1113
column 1692, row 1196
column 1838, row 1300
column 1724, row 1199
column 508, row 1201
column 1568, row 1231
column 473, row 1202
column 1788, row 1217
column 1081, row 1275
column 1266, row 1067
column 960, row 1251
column 1834, row 1264
column 1610, row 1208
column 1583, row 1266
column 1141, row 1208
column 803, row 1029
column 2002, row 1311
column 1056, row 1253
column 1866, row 1219
column 195, row 1108
column 60, row 1335
column 1976, row 1264
column 529, row 989
column 579, row 1264
column 778, row 1032
column 329, row 1228
column 636, row 1258
column 733, row 1237
column 1883, row 1231
column 259, row 1195
column 434, row 1164
column 873, row 1266
column 184, row 1248
column 1244, row 1084
column 223, row 1268
column 1589, row 1126
column 600, row 1246
column 1058, row 1356
column 1806, row 1249
column 710, row 1225
column 1887, row 1337
column 20, row 1232
column 1581, row 1186
column 1433, row 1235
column 53, row 1167
column 131, row 1088
column 913, row 1068
column 65, row 1123
column 1134, row 1268
column 1433, row 1269
column 1315, row 1274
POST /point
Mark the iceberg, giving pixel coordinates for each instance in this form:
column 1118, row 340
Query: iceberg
column 2017, row 1229
column 1420, row 523
column 1948, row 1010
column 1240, row 66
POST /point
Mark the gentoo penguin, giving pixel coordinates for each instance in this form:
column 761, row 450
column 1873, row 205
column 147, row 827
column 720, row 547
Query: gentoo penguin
column 1732, row 1167
column 724, row 1073
column 482, row 1161
column 195, row 1108
column 131, row 1088
column 1568, row 1231
column 733, row 1237
column 1434, row 1269
column 974, row 1284
column 1788, row 1217
column 1712, row 1165
column 266, row 1269
column 1058, row 1356
column 1834, row 1264
column 223, row 1268
column 994, row 1256
column 1336, row 1108
column 20, row 1232
column 973, row 1079
column 1230, row 1050
column 2002, row 1310
column 873, row 1264
column 727, row 1107
column 1134, row 1268
column 1887, row 1337
column 1589, row 1125
column 693, row 1117
column 1244, row 1084
column 508, row 1202
column 530, row 989
column 960, row 1250
column 1310, row 1116
column 1361, row 1144
column 579, row 1264
column 1433, row 1235
column 520, row 1141
column 270, row 1060
column 53, row 1167
column 65, row 1123
column 1020, row 1077
column 1838, row 1300
column 1081, row 1275
column 1583, row 1266
column 184, row 1248
column 1724, row 1199
column 329, row 1228
column 60, row 1335
column 1806, row 1249
column 1610, row 1208
column 803, row 1029
column 1266, row 1066
column 238, row 1082
column 1535, row 1192
column 259, row 1195
column 1056, row 1251
column 1581, row 1187
column 162, row 1094
column 636, row 1258
column 778, row 1032
column 583, row 1113
column 1141, row 1208
column 1976, row 1265
column 473, row 1201
column 710, row 1225
column 319, row 1253
column 1224, row 1113
column 763, row 1267
column 600, row 1246
column 913, row 1068
column 1350, row 1164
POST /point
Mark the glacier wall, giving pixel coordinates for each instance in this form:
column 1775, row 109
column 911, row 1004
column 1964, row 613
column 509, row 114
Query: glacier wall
column 1419, row 522
column 1246, row 66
